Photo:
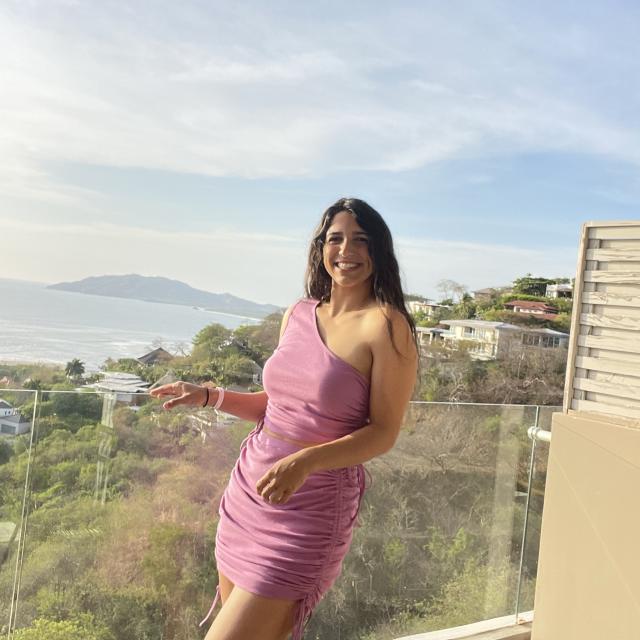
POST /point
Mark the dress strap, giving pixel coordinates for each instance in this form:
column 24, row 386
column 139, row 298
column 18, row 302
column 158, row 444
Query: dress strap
column 213, row 606
column 363, row 472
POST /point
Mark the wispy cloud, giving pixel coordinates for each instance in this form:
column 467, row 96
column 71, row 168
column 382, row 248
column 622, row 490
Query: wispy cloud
column 266, row 94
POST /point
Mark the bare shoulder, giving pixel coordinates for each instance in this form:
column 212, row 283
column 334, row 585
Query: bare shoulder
column 378, row 321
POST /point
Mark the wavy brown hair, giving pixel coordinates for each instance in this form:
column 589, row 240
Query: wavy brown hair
column 386, row 285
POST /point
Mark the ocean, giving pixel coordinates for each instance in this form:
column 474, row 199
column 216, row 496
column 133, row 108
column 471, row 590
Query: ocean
column 44, row 325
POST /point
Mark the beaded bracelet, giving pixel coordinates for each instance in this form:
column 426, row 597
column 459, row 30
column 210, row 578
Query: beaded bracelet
column 218, row 403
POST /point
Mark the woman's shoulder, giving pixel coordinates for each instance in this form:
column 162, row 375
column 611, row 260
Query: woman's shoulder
column 381, row 318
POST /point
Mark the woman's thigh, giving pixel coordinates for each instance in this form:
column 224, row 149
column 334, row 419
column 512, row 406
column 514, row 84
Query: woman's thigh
column 246, row 616
column 226, row 586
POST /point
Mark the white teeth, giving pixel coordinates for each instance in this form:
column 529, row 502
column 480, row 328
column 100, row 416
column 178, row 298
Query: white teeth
column 346, row 265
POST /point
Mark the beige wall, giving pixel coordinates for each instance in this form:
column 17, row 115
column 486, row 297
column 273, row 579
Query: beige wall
column 588, row 585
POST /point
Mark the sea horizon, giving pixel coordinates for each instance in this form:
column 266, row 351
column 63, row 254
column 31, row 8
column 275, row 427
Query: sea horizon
column 49, row 326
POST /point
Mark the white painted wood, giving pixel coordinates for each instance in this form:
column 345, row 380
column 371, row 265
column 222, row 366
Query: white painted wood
column 612, row 400
column 629, row 230
column 618, row 321
column 631, row 299
column 575, row 318
column 615, row 254
column 609, row 366
column 628, row 391
column 596, row 407
column 609, row 343
column 614, row 378
column 617, row 277
column 608, row 354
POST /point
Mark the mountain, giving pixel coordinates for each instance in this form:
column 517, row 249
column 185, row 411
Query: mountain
column 157, row 289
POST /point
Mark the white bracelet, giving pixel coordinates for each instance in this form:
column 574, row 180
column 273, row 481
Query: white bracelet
column 218, row 403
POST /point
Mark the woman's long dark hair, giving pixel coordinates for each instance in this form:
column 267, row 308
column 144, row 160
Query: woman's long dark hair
column 387, row 287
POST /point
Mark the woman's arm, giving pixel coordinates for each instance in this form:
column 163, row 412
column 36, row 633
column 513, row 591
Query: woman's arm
column 393, row 377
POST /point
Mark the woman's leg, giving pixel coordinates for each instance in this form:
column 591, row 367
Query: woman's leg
column 226, row 586
column 246, row 616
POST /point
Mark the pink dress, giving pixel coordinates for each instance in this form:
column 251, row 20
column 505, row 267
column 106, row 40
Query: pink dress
column 295, row 550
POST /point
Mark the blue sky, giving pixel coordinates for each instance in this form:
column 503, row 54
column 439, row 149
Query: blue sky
column 201, row 141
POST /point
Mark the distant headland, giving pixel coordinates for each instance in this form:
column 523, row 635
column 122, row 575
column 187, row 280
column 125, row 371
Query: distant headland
column 157, row 289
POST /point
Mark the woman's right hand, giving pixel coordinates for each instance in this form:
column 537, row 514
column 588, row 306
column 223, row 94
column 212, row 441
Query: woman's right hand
column 183, row 392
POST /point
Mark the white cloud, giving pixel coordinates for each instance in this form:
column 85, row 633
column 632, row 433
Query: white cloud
column 253, row 93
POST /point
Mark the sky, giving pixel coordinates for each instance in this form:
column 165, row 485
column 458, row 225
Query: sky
column 201, row 141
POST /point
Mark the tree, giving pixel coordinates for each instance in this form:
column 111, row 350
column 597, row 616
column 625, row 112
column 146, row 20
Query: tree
column 533, row 286
column 74, row 369
column 209, row 342
column 451, row 289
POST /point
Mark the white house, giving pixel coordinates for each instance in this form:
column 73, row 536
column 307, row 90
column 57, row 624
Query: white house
column 126, row 386
column 12, row 423
column 559, row 291
column 429, row 335
column 6, row 409
column 428, row 308
column 493, row 340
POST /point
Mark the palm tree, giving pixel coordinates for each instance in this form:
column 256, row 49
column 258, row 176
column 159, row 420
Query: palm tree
column 74, row 368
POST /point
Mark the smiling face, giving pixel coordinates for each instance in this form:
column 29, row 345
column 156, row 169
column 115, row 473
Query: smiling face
column 345, row 252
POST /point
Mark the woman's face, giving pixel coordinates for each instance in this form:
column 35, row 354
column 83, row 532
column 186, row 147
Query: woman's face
column 345, row 251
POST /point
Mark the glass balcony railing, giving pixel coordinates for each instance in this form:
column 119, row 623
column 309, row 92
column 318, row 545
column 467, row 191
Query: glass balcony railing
column 109, row 511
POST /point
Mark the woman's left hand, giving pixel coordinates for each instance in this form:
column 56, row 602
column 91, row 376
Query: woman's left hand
column 283, row 479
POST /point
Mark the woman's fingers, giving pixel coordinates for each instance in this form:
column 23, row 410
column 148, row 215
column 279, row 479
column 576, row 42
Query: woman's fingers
column 165, row 390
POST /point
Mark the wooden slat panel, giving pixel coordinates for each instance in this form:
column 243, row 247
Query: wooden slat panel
column 618, row 277
column 606, row 354
column 615, row 322
column 614, row 299
column 621, row 244
column 621, row 231
column 596, row 407
column 615, row 266
column 609, row 366
column 611, row 344
column 578, row 287
column 618, row 390
column 614, row 255
column 614, row 378
column 616, row 313
column 612, row 401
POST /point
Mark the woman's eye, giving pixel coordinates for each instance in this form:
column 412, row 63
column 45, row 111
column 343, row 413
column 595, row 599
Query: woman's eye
column 334, row 240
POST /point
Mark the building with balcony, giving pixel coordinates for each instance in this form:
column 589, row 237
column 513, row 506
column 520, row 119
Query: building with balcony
column 488, row 340
column 559, row 291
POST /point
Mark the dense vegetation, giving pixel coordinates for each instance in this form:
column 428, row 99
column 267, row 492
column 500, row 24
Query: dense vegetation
column 122, row 519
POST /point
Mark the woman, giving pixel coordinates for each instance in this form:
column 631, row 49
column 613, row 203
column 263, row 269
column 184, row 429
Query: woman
column 336, row 389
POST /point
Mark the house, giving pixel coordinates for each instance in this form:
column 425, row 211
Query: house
column 559, row 291
column 12, row 422
column 489, row 293
column 493, row 340
column 429, row 335
column 128, row 387
column 539, row 309
column 157, row 356
column 428, row 308
column 6, row 409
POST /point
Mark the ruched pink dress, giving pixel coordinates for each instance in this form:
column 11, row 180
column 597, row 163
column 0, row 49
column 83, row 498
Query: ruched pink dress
column 295, row 550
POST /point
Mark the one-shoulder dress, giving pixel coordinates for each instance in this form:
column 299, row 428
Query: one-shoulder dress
column 295, row 550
